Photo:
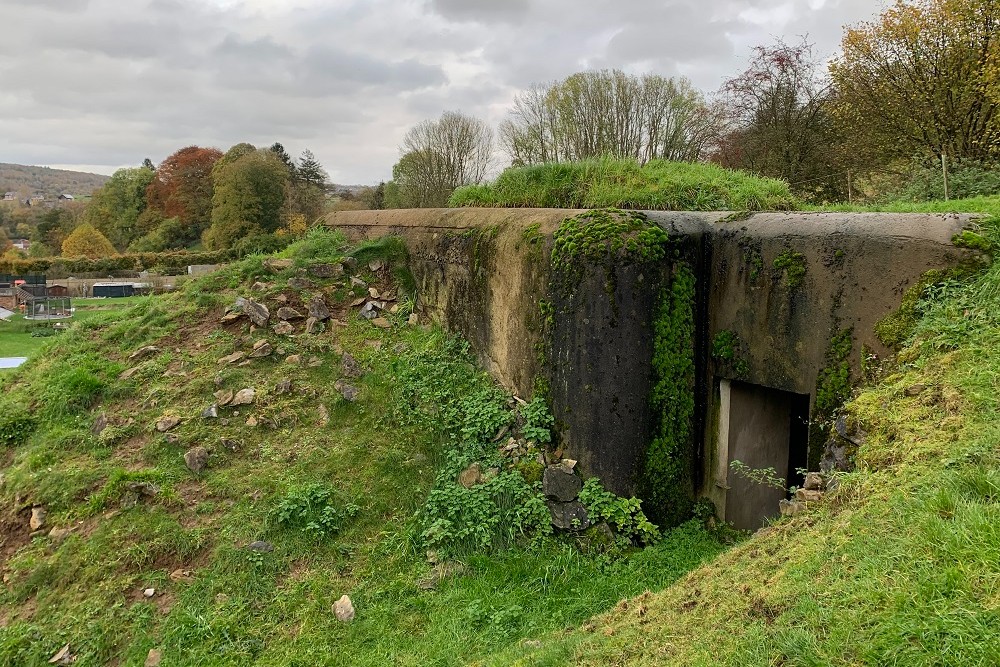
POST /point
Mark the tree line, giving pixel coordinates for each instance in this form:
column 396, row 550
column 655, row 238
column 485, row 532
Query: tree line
column 917, row 85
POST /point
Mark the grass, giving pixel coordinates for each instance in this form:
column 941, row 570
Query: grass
column 139, row 516
column 899, row 566
column 657, row 185
column 15, row 335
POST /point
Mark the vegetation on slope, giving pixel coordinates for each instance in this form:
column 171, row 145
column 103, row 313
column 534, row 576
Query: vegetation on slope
column 350, row 495
column 27, row 181
column 900, row 565
column 656, row 185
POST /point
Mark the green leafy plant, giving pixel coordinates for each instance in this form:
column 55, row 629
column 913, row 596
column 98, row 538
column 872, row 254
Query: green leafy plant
column 538, row 421
column 312, row 508
column 625, row 515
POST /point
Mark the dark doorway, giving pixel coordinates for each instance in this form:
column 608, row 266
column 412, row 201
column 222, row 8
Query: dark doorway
column 767, row 428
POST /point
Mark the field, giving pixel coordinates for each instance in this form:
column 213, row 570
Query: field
column 15, row 335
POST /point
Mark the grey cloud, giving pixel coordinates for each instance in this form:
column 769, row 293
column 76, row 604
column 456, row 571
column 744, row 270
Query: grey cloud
column 482, row 11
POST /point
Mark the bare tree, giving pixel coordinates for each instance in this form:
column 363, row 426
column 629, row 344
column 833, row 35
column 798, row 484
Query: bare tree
column 608, row 113
column 439, row 156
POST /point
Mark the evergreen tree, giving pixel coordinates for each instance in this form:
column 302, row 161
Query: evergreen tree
column 310, row 171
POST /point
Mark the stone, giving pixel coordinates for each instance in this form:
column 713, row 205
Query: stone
column 181, row 575
column 382, row 323
column 211, row 412
column 37, row 519
column 153, row 658
column 295, row 359
column 315, row 362
column 276, row 265
column 63, row 657
column 282, row 299
column 358, row 301
column 813, row 482
column 261, row 349
column 560, row 484
column 300, row 283
column 791, row 507
column 471, row 476
column 244, row 397
column 313, row 326
column 252, row 421
column 256, row 312
column 349, row 392
column 326, row 270
column 569, row 516
column 229, row 444
column 59, row 535
column 915, row 390
column 369, row 311
column 196, row 459
column 343, row 609
column 283, row 387
column 349, row 366
column 260, row 546
column 376, row 265
column 283, row 329
column 318, row 308
column 233, row 358
column 260, row 286
column 568, row 464
column 149, row 592
column 223, row 396
column 144, row 352
column 808, row 496
column 286, row 313
column 167, row 422
column 99, row 424
column 413, row 320
column 127, row 375
column 372, row 292
column 324, row 415
column 231, row 317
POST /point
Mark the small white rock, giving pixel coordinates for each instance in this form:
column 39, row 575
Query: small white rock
column 344, row 609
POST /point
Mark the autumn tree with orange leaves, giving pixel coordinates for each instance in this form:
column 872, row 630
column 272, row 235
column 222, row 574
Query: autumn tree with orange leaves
column 183, row 190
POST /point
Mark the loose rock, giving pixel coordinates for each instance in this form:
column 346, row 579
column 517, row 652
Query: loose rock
column 343, row 609
column 196, row 459
column 127, row 375
column 376, row 265
column 260, row 286
column 315, row 362
column 276, row 265
column 560, row 484
column 808, row 496
column 223, row 397
column 318, row 308
column 349, row 392
column 37, row 519
column 791, row 507
column 349, row 366
column 300, row 283
column 243, row 397
column 233, row 358
column 813, row 482
column 153, row 658
column 349, row 263
column 231, row 445
column 144, row 352
column 326, row 270
column 283, row 387
column 59, row 535
column 569, row 516
column 915, row 390
column 63, row 657
column 313, row 326
column 285, row 313
column 261, row 348
column 382, row 323
column 324, row 415
column 167, row 422
column 99, row 424
column 372, row 292
column 261, row 546
column 149, row 592
column 293, row 359
column 256, row 312
column 471, row 476
column 231, row 317
column 283, row 329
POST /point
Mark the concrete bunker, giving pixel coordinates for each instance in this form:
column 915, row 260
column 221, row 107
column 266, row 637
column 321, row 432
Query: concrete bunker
column 763, row 317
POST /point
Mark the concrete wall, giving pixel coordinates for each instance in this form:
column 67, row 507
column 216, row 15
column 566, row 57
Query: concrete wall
column 484, row 272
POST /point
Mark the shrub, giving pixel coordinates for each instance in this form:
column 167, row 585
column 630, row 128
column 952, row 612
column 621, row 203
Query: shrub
column 623, row 514
column 312, row 508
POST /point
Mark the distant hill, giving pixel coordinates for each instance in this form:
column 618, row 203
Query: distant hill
column 27, row 181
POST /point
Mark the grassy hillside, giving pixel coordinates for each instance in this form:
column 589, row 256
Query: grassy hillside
column 305, row 495
column 900, row 565
column 27, row 181
column 657, row 185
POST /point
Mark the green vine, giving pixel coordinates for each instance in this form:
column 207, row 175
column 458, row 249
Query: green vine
column 668, row 483
column 833, row 388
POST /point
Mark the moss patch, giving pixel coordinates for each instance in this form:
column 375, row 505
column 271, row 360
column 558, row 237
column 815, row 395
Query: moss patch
column 793, row 265
column 833, row 388
column 727, row 350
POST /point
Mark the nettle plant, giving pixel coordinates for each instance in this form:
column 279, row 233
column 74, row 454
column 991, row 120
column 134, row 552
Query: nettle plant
column 314, row 510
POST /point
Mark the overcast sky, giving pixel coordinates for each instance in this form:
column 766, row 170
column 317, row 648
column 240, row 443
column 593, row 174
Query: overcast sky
column 99, row 84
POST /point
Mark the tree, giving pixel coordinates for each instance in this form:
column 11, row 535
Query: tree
column 374, row 197
column 148, row 164
column 779, row 122
column 86, row 241
column 183, row 189
column 921, row 80
column 439, row 156
column 115, row 209
column 283, row 155
column 608, row 113
column 249, row 198
column 310, row 171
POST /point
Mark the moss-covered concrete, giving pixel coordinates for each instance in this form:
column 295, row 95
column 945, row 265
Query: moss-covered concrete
column 786, row 286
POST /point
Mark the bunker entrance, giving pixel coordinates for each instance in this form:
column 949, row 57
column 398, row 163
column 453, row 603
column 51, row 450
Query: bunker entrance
column 763, row 428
